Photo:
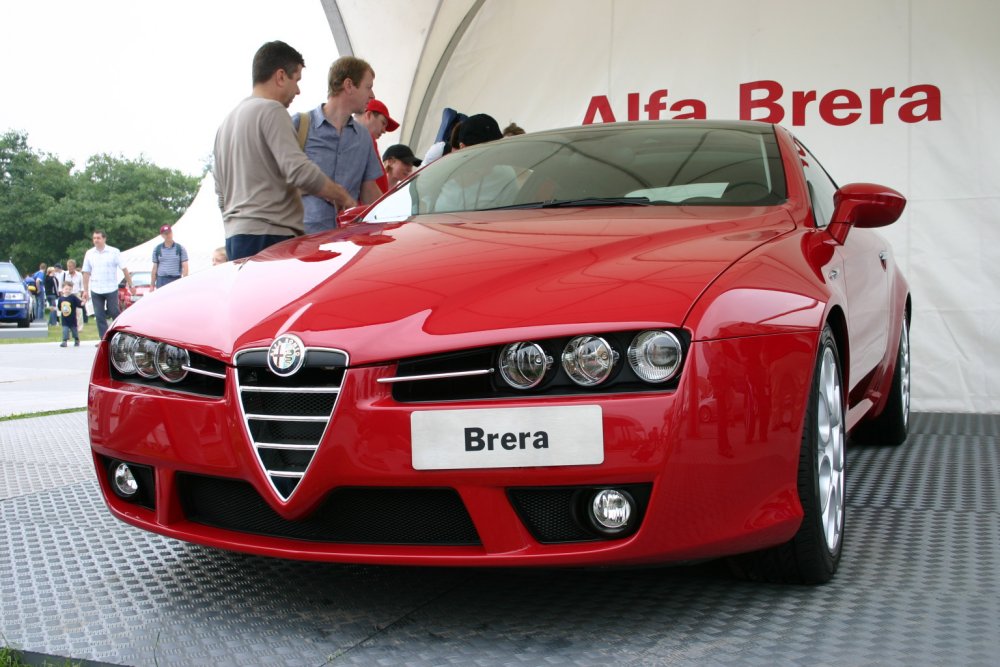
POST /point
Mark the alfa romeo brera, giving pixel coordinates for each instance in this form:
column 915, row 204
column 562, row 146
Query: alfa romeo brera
column 614, row 344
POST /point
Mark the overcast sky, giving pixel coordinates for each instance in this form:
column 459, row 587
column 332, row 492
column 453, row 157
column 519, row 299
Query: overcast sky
column 132, row 78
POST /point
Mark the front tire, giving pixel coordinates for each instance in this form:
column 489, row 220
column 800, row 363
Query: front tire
column 813, row 554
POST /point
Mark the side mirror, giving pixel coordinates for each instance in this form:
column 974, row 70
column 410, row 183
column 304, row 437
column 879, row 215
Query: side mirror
column 864, row 205
column 351, row 215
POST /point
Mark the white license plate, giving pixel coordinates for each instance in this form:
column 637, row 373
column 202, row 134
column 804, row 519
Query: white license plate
column 507, row 437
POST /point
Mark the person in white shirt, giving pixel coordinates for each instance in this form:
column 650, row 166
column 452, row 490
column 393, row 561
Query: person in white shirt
column 73, row 276
column 100, row 280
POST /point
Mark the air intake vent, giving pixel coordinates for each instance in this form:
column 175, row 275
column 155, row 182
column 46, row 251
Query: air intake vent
column 287, row 416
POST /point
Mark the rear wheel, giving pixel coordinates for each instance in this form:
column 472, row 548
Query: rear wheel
column 892, row 425
column 812, row 555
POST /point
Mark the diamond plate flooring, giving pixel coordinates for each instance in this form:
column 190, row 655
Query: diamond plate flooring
column 919, row 583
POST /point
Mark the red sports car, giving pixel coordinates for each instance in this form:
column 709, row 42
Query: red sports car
column 613, row 344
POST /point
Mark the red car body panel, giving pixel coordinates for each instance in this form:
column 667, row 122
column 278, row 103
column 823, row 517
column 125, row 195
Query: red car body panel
column 751, row 285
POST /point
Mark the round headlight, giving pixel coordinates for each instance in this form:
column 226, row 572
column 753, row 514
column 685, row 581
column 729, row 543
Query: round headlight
column 589, row 360
column 144, row 357
column 655, row 356
column 523, row 365
column 121, row 353
column 170, row 362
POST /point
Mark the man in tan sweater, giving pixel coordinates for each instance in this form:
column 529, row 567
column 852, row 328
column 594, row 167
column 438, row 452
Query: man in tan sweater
column 259, row 167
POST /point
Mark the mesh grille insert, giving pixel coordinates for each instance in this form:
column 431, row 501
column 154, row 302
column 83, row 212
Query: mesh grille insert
column 347, row 515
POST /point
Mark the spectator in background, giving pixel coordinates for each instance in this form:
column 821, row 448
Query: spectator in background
column 259, row 169
column 40, row 291
column 29, row 284
column 342, row 147
column 71, row 275
column 399, row 162
column 100, row 280
column 66, row 306
column 170, row 260
column 378, row 121
column 442, row 145
column 51, row 294
column 219, row 256
column 512, row 130
column 469, row 189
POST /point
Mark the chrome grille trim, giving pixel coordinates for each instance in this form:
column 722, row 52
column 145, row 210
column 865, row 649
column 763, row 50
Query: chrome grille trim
column 286, row 418
column 294, row 448
column 281, row 411
column 286, row 474
column 293, row 390
column 435, row 376
column 198, row 371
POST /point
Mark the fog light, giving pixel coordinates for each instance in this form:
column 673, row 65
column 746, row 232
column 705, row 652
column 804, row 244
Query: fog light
column 124, row 481
column 611, row 510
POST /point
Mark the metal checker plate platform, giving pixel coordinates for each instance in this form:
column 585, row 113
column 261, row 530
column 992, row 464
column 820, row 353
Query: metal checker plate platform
column 919, row 583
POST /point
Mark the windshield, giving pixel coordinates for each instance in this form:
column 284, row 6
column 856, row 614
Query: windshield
column 642, row 164
column 8, row 274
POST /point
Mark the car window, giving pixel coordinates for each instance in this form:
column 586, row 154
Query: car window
column 821, row 187
column 648, row 164
column 9, row 274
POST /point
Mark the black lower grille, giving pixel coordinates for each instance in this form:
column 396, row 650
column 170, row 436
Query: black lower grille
column 559, row 514
column 347, row 515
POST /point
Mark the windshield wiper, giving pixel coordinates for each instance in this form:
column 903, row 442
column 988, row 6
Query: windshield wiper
column 583, row 202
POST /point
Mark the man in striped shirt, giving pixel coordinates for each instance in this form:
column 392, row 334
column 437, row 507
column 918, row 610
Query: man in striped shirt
column 170, row 260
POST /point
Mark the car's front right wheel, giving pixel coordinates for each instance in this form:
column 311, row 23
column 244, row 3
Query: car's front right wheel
column 813, row 554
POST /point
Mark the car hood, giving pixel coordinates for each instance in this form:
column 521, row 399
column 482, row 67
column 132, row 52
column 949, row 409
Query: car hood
column 382, row 292
column 11, row 286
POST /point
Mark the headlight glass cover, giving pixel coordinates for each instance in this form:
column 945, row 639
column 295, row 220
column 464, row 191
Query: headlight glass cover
column 122, row 346
column 523, row 365
column 170, row 362
column 655, row 356
column 589, row 360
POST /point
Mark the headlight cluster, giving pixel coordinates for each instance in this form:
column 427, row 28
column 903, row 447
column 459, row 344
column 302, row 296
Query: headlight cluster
column 135, row 355
column 655, row 357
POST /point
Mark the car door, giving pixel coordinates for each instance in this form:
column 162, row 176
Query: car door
column 866, row 260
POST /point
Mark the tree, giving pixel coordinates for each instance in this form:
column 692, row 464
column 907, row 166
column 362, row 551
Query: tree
column 48, row 210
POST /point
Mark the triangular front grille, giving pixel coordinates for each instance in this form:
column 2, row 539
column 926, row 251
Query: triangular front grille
column 287, row 417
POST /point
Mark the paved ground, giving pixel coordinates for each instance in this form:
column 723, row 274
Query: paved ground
column 36, row 377
column 35, row 330
column 919, row 583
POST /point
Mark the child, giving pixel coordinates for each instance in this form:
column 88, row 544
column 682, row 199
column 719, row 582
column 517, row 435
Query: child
column 66, row 307
column 219, row 256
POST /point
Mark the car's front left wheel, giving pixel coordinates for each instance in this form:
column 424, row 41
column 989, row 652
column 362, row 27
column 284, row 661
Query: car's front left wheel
column 813, row 554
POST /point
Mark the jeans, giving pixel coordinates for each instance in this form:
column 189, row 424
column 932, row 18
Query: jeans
column 40, row 306
column 67, row 330
column 247, row 245
column 53, row 320
column 104, row 302
column 165, row 280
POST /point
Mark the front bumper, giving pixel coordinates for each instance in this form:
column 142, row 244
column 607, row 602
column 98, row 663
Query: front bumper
column 716, row 460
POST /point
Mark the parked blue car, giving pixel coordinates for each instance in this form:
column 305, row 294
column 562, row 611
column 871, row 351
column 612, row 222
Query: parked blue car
column 15, row 301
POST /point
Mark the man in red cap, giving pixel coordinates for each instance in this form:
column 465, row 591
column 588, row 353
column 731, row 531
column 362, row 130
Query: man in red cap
column 170, row 260
column 378, row 121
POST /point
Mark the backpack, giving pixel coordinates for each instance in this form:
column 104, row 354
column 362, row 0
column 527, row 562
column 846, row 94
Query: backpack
column 158, row 250
column 303, row 129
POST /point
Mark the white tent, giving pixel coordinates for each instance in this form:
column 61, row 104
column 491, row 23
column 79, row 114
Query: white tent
column 901, row 93
column 199, row 230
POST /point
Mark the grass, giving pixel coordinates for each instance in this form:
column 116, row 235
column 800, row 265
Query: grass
column 32, row 415
column 11, row 658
